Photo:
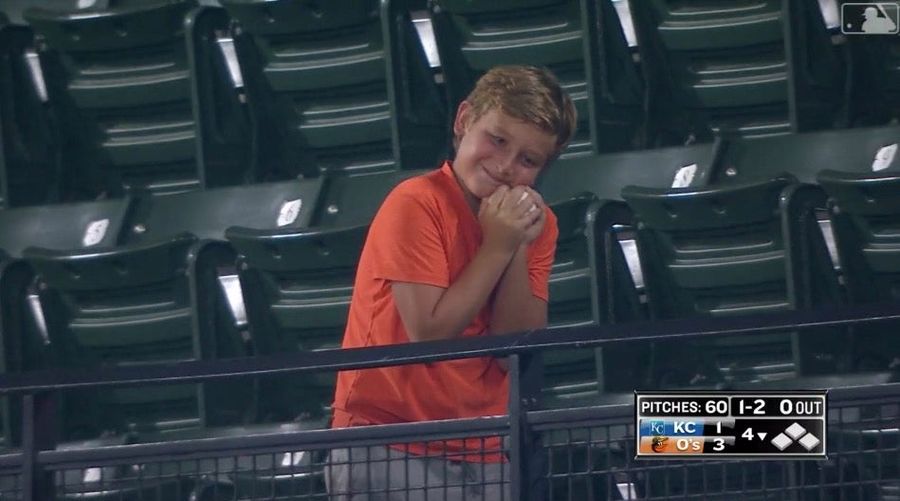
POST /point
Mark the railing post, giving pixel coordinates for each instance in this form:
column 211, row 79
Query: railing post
column 38, row 433
column 525, row 372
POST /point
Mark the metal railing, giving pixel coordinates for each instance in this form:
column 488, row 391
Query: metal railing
column 584, row 452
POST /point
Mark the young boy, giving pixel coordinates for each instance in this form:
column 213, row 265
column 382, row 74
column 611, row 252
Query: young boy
column 462, row 251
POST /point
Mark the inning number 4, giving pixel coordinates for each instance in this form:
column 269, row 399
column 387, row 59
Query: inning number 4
column 748, row 434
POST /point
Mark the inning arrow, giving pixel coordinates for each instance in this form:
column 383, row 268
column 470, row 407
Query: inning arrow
column 762, row 435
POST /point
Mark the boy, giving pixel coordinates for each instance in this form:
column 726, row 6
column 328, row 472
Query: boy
column 465, row 250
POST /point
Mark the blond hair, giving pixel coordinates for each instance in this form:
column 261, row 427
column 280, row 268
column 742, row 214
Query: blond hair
column 526, row 93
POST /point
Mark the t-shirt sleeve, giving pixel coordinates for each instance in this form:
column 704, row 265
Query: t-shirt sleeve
column 540, row 258
column 405, row 242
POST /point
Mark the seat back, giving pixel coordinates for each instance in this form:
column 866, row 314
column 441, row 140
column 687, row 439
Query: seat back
column 871, row 149
column 143, row 97
column 89, row 225
column 339, row 86
column 158, row 298
column 745, row 68
column 865, row 215
column 741, row 250
column 297, row 284
column 123, row 306
column 580, row 41
column 85, row 225
column 606, row 175
column 592, row 280
column 862, row 150
column 28, row 161
column 573, row 295
column 207, row 214
column 599, row 248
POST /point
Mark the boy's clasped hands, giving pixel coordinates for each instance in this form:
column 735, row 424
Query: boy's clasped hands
column 511, row 217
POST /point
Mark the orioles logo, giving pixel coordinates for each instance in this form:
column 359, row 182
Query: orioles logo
column 658, row 444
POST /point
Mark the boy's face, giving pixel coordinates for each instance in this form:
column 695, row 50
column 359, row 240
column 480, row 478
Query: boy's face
column 498, row 149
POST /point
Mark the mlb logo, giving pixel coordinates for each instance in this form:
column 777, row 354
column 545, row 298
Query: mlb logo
column 877, row 18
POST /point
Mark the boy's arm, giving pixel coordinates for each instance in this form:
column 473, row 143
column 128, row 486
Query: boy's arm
column 520, row 305
column 429, row 312
column 516, row 308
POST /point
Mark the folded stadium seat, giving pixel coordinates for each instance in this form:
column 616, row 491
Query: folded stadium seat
column 592, row 283
column 338, row 86
column 160, row 296
column 865, row 215
column 297, row 285
column 23, row 341
column 596, row 269
column 571, row 375
column 861, row 150
column 143, row 97
column 23, row 337
column 157, row 298
column 581, row 41
column 747, row 68
column 745, row 249
column 28, row 148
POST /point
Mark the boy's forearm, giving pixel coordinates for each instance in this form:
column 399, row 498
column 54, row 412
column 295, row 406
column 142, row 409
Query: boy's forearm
column 515, row 307
column 462, row 301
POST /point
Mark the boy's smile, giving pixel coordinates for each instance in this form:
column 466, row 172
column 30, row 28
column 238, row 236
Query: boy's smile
column 497, row 149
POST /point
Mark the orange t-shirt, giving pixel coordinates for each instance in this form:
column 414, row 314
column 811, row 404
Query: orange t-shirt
column 426, row 233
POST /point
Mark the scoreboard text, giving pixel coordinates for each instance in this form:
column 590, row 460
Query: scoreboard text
column 755, row 425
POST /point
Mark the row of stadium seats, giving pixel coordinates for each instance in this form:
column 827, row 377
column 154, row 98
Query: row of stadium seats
column 721, row 228
column 172, row 96
column 175, row 96
column 197, row 275
column 155, row 278
column 726, row 228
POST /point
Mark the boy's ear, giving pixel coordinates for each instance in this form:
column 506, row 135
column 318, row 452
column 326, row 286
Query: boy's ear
column 461, row 122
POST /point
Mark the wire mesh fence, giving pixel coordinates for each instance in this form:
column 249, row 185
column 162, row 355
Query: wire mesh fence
column 10, row 483
column 581, row 454
column 586, row 452
column 458, row 466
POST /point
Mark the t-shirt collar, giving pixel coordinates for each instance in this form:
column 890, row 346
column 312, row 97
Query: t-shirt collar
column 447, row 170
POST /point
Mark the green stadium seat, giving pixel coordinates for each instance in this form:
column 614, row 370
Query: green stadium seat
column 573, row 293
column 865, row 214
column 28, row 166
column 869, row 149
column 297, row 285
column 63, row 226
column 592, row 280
column 581, row 41
column 156, row 298
column 143, row 98
column 338, row 86
column 739, row 250
column 741, row 68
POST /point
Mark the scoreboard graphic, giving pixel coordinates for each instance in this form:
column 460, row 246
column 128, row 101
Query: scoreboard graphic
column 739, row 425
